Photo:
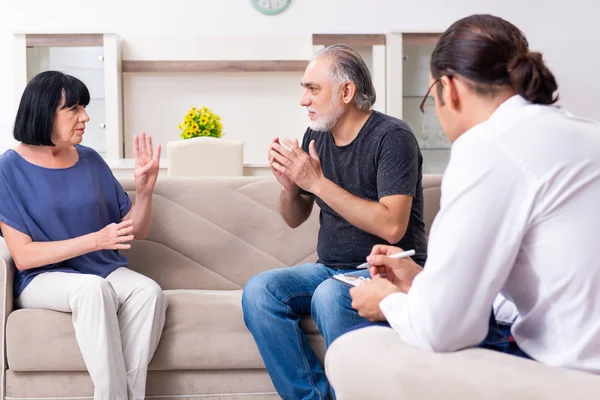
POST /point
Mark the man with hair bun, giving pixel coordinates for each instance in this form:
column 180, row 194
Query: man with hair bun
column 518, row 217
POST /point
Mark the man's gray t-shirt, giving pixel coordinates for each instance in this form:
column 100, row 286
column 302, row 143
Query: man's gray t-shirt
column 383, row 160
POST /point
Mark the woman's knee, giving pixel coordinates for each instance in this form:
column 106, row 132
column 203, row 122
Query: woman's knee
column 152, row 292
column 158, row 294
column 95, row 287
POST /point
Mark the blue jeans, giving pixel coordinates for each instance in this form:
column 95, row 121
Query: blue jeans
column 274, row 302
column 498, row 338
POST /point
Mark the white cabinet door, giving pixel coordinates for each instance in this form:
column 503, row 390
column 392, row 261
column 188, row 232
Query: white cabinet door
column 435, row 146
column 95, row 131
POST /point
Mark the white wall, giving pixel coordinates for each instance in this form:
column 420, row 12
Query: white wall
column 6, row 90
column 255, row 107
column 564, row 31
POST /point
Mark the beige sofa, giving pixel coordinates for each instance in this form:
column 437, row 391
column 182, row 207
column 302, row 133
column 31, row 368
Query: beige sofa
column 209, row 236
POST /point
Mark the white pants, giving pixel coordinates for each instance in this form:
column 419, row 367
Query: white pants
column 118, row 322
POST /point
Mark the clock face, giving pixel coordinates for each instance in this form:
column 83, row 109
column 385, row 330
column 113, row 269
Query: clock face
column 270, row 7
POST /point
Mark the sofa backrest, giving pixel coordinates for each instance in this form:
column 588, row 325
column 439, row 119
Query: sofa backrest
column 216, row 233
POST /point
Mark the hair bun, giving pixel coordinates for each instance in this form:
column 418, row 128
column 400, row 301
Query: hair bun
column 531, row 78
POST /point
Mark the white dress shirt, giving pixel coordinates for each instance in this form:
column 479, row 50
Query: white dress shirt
column 520, row 215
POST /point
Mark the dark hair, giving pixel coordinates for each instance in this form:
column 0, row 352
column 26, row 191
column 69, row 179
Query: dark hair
column 348, row 65
column 491, row 52
column 42, row 97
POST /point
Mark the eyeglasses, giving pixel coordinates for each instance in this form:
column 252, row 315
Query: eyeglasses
column 422, row 106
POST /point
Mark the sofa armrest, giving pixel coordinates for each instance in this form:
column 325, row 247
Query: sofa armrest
column 374, row 363
column 7, row 277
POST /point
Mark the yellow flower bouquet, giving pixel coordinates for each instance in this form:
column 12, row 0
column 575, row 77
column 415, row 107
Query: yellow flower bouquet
column 200, row 122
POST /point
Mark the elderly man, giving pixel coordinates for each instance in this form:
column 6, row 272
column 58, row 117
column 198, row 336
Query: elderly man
column 364, row 170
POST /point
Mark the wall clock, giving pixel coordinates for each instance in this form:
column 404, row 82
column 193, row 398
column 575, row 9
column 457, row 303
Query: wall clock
column 270, row 7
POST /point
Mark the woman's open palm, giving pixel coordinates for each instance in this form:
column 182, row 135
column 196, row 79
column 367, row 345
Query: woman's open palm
column 146, row 164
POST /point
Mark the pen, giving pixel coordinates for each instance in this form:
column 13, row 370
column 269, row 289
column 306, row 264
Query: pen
column 403, row 254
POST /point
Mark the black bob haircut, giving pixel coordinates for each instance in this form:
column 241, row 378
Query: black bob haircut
column 42, row 97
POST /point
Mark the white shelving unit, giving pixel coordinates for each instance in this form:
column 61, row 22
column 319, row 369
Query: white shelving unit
column 409, row 55
column 155, row 80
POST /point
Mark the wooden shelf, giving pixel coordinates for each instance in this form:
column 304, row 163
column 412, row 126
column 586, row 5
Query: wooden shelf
column 215, row 66
column 64, row 40
column 353, row 40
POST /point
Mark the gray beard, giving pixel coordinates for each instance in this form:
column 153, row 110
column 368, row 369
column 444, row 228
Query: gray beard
column 326, row 123
column 321, row 125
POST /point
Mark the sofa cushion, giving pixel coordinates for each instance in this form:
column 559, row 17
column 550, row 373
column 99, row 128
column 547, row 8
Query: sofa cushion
column 244, row 384
column 204, row 330
column 400, row 371
column 216, row 233
column 195, row 219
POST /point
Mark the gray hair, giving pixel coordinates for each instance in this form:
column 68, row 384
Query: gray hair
column 348, row 65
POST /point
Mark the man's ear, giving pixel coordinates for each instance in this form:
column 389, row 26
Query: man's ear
column 451, row 92
column 348, row 90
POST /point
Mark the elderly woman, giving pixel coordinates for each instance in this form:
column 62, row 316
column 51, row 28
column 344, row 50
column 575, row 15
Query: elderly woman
column 64, row 218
